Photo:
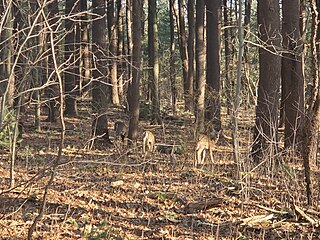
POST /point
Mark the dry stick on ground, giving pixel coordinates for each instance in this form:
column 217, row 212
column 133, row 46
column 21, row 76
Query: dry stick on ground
column 311, row 220
column 56, row 163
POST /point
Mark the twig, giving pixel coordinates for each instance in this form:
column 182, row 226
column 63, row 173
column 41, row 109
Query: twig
column 311, row 220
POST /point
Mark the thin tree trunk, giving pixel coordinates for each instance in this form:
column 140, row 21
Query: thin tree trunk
column 85, row 48
column 129, row 36
column 153, row 45
column 191, row 25
column 227, row 54
column 52, row 90
column 120, row 53
column 112, row 35
column 70, row 59
column 172, row 58
column 187, row 87
column 200, row 66
column 238, row 93
column 311, row 124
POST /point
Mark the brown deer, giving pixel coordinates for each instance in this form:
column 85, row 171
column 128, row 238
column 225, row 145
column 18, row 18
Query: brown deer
column 204, row 143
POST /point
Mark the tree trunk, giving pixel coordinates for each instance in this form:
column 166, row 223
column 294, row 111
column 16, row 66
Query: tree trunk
column 312, row 120
column 172, row 58
column 187, row 87
column 200, row 66
column 85, row 49
column 112, row 36
column 6, row 50
column 133, row 88
column 292, row 72
column 227, row 55
column 153, row 46
column 101, row 90
column 70, row 81
column 266, row 128
column 120, row 52
column 129, row 37
column 190, row 79
column 213, row 115
column 52, row 90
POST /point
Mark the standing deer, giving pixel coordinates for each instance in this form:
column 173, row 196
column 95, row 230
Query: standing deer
column 148, row 142
column 204, row 144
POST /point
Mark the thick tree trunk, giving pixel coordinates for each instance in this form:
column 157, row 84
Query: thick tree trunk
column 266, row 128
column 213, row 115
column 133, row 89
column 200, row 66
column 292, row 72
column 101, row 90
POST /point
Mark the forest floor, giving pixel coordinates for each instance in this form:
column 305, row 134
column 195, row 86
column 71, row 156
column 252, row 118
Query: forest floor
column 118, row 193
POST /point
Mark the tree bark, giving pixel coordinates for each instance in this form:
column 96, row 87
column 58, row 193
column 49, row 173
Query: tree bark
column 213, row 115
column 200, row 66
column 187, row 87
column 133, row 88
column 85, row 48
column 292, row 73
column 153, row 46
column 70, row 81
column 120, row 52
column 190, row 80
column 112, row 36
column 312, row 120
column 172, row 58
column 101, row 90
column 266, row 127
column 227, row 55
column 52, row 90
column 129, row 37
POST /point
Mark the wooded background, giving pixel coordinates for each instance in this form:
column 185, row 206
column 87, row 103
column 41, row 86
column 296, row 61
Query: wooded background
column 157, row 60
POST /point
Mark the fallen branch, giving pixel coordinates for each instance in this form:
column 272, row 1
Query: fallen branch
column 257, row 219
column 202, row 205
column 311, row 220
